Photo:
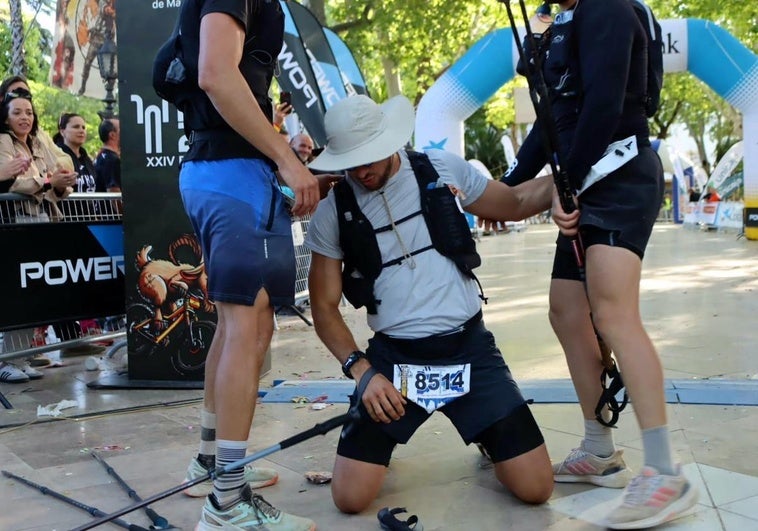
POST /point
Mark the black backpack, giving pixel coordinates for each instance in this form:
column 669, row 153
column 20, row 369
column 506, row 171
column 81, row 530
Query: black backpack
column 654, row 55
column 171, row 78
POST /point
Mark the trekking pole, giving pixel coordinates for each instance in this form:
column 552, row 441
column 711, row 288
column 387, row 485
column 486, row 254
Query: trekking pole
column 318, row 429
column 94, row 511
column 159, row 522
column 610, row 379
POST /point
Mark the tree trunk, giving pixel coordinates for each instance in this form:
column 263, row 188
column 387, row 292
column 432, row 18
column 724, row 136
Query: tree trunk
column 391, row 77
column 18, row 62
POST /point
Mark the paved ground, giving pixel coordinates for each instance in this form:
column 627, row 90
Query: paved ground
column 699, row 301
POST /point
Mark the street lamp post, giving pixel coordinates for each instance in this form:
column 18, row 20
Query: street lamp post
column 106, row 64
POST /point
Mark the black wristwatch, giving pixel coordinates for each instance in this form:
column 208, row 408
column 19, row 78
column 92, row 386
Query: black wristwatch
column 351, row 360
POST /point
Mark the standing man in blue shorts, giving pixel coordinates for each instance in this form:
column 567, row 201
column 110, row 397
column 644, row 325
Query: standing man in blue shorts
column 232, row 197
column 595, row 67
column 372, row 239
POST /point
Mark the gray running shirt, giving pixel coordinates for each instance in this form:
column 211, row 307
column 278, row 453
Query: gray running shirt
column 432, row 298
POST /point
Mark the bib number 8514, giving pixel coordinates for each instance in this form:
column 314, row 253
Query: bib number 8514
column 433, row 381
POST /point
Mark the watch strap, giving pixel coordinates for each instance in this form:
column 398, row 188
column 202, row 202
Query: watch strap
column 351, row 360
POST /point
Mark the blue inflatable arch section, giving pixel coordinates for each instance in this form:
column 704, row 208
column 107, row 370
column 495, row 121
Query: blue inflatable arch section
column 699, row 46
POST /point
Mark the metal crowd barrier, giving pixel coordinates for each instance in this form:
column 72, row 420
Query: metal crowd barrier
column 76, row 208
column 303, row 266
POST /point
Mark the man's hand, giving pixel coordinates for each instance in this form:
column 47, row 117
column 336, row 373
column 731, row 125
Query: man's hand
column 303, row 183
column 280, row 111
column 382, row 401
column 326, row 181
column 567, row 223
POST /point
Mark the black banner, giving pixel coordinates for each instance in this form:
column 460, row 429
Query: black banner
column 60, row 271
column 323, row 62
column 170, row 322
column 751, row 217
column 296, row 76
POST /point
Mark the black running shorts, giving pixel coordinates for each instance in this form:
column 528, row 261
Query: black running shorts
column 494, row 396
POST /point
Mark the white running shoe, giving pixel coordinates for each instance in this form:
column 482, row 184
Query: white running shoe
column 250, row 513
column 583, row 467
column 256, row 477
column 9, row 373
column 30, row 371
column 651, row 499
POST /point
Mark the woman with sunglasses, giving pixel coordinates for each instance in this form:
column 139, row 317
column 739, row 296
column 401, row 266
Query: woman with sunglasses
column 18, row 84
column 27, row 167
column 39, row 176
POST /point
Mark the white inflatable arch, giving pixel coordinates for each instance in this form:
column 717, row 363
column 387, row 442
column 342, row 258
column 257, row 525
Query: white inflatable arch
column 699, row 46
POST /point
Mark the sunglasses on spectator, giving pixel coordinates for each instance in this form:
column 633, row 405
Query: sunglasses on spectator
column 17, row 93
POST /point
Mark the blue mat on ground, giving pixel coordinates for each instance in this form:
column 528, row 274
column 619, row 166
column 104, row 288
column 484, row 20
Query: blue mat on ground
column 559, row 391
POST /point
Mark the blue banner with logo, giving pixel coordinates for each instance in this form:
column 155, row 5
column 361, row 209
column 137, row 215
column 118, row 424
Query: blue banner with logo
column 323, row 62
column 351, row 74
column 296, row 76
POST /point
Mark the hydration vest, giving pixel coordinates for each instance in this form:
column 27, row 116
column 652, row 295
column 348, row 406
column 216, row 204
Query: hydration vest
column 362, row 261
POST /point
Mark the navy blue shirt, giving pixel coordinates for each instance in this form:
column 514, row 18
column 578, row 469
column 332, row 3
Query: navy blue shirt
column 595, row 69
column 107, row 170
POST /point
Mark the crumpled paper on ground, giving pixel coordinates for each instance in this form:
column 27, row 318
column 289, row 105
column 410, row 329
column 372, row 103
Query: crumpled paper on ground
column 55, row 410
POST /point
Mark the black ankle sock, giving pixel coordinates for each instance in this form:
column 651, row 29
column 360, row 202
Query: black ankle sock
column 207, row 461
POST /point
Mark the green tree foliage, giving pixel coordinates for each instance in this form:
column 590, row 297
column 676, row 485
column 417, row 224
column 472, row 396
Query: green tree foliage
column 421, row 38
column 482, row 140
column 687, row 100
column 49, row 102
column 37, row 41
column 404, row 45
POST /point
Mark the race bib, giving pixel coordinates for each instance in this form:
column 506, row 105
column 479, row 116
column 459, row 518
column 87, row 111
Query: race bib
column 616, row 155
column 432, row 386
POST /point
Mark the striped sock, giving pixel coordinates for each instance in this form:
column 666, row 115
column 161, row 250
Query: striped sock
column 227, row 488
column 207, row 453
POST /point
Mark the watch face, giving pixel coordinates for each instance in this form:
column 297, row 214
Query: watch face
column 350, row 361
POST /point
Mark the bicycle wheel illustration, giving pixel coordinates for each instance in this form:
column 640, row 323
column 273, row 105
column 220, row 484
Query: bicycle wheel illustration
column 190, row 357
column 139, row 322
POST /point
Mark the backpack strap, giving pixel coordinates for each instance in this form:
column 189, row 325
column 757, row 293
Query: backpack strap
column 447, row 225
column 362, row 259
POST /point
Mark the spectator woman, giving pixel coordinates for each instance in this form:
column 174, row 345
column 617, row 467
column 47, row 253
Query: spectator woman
column 42, row 180
column 13, row 84
column 28, row 168
column 71, row 136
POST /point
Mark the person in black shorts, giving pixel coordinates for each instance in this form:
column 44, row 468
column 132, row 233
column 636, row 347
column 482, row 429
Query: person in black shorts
column 430, row 348
column 595, row 70
column 232, row 197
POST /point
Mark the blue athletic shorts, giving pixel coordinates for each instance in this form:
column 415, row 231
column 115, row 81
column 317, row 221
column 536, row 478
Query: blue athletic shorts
column 240, row 218
column 494, row 397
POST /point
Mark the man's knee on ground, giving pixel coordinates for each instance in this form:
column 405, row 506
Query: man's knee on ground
column 350, row 502
column 535, row 487
column 355, row 484
column 517, row 447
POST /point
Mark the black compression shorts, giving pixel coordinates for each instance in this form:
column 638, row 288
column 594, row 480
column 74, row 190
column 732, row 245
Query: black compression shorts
column 620, row 211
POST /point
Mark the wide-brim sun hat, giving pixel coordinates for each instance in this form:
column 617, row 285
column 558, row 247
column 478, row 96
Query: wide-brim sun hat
column 360, row 131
